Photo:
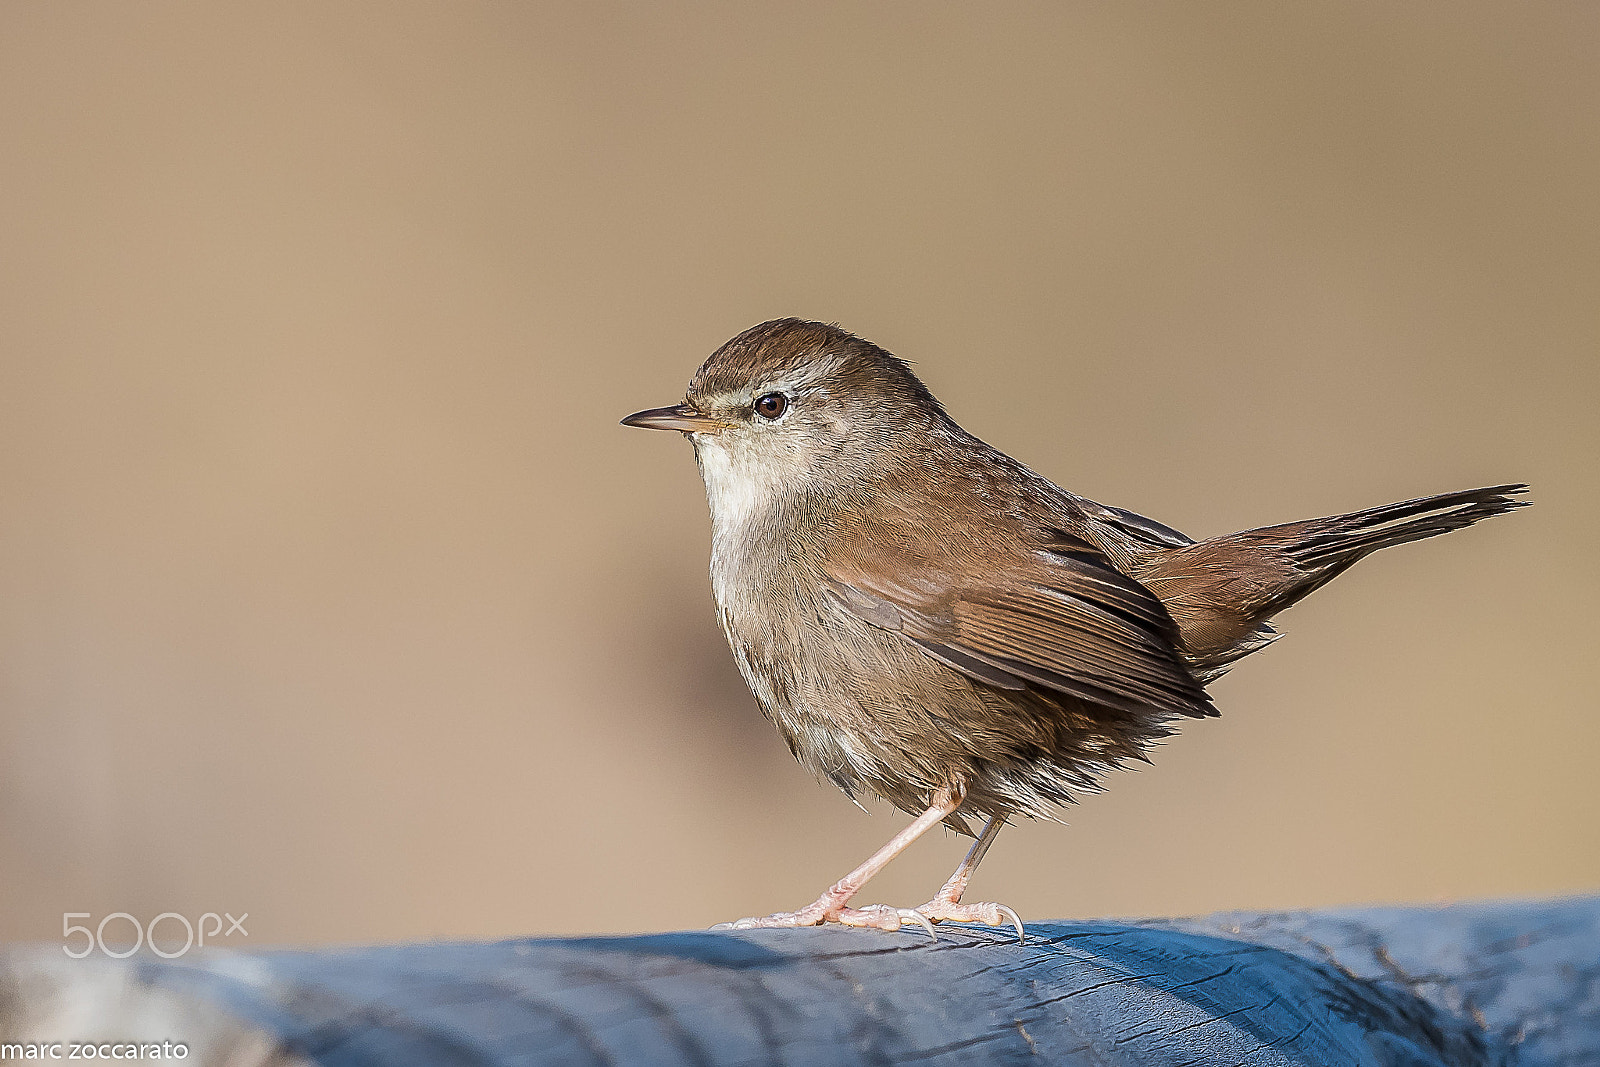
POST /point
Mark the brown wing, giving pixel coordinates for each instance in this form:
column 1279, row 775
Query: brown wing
column 1060, row 619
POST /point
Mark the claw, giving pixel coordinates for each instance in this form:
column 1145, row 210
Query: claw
column 915, row 916
column 1016, row 920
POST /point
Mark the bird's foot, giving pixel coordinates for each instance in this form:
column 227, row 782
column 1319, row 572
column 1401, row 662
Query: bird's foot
column 941, row 909
column 877, row 916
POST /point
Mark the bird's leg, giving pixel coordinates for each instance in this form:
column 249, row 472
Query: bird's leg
column 946, row 903
column 952, row 890
column 830, row 906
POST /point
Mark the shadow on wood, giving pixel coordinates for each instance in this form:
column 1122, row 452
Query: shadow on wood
column 1506, row 983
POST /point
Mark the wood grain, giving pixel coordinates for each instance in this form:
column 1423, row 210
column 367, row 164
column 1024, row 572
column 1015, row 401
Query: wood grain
column 1497, row 983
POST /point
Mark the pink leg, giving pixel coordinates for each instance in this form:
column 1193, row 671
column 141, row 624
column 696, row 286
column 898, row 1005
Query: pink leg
column 946, row 903
column 830, row 906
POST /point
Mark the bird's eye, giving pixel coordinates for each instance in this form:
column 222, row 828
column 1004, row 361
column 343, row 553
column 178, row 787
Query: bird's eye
column 772, row 406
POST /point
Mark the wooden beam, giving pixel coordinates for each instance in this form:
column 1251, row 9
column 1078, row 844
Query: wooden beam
column 1463, row 985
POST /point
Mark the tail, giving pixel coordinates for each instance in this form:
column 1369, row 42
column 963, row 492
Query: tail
column 1221, row 592
column 1340, row 540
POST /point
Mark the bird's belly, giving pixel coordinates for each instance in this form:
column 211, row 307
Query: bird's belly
column 871, row 712
column 857, row 705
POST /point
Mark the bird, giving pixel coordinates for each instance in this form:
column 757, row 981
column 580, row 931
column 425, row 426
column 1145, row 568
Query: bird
column 926, row 619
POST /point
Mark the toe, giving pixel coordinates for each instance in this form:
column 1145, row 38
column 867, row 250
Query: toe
column 987, row 913
column 877, row 916
column 780, row 920
column 883, row 917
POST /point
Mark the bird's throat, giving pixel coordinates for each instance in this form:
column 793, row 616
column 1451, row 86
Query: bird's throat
column 737, row 492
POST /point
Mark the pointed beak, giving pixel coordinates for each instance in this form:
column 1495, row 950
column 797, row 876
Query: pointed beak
column 680, row 417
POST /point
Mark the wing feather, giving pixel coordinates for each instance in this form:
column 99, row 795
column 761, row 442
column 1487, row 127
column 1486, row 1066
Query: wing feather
column 1061, row 619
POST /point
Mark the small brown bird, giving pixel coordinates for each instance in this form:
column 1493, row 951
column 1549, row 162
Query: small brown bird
column 926, row 619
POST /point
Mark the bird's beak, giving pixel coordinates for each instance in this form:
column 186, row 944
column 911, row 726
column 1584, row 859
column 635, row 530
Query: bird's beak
column 679, row 417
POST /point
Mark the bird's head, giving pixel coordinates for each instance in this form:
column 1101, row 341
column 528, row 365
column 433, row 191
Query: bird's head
column 791, row 408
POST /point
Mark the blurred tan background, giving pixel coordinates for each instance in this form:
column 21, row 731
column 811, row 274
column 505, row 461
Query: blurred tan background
column 331, row 591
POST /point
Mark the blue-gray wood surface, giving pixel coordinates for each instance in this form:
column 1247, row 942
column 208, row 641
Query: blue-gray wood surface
column 1500, row 983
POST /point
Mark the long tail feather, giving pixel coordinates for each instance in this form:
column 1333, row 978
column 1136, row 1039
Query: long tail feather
column 1342, row 539
column 1222, row 591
